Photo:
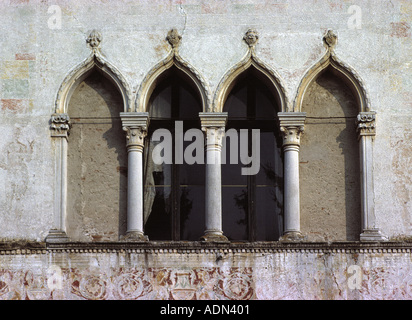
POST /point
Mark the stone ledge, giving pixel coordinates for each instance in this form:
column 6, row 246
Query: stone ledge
column 197, row 247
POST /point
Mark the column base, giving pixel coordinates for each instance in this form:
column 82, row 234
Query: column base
column 135, row 236
column 292, row 236
column 373, row 235
column 214, row 237
column 57, row 236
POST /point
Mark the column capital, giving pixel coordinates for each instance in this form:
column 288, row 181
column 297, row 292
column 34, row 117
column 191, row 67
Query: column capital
column 213, row 119
column 135, row 119
column 60, row 125
column 366, row 123
column 292, row 125
column 135, row 124
column 135, row 138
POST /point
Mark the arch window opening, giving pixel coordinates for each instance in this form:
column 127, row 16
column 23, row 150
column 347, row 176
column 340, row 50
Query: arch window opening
column 329, row 163
column 252, row 204
column 174, row 192
column 97, row 161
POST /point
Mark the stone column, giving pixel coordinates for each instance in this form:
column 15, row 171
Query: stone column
column 135, row 124
column 367, row 130
column 213, row 124
column 291, row 126
column 60, row 127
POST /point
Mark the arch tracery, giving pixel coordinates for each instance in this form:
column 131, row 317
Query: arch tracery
column 97, row 60
column 330, row 59
column 250, row 60
column 172, row 59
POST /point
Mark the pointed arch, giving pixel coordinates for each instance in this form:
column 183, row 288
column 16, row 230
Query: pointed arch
column 342, row 70
column 155, row 75
column 267, row 74
column 95, row 61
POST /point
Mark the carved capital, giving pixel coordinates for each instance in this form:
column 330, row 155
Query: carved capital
column 135, row 138
column 213, row 119
column 291, row 126
column 366, row 123
column 291, row 135
column 60, row 125
column 214, row 136
column 135, row 124
column 213, row 124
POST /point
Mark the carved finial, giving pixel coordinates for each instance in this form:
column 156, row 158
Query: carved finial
column 173, row 37
column 251, row 37
column 94, row 39
column 330, row 39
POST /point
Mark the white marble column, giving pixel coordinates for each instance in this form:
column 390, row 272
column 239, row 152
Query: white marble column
column 291, row 126
column 60, row 127
column 213, row 124
column 135, row 124
column 367, row 130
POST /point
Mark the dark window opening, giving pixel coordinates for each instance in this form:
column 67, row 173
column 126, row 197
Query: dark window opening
column 253, row 204
column 174, row 193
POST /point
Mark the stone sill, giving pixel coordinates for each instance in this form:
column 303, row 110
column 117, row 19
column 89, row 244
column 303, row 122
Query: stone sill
column 198, row 247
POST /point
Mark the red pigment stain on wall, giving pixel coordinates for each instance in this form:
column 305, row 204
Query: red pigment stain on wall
column 25, row 56
column 14, row 105
column 400, row 29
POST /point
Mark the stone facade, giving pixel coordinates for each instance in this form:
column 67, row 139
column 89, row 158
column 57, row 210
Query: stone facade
column 75, row 85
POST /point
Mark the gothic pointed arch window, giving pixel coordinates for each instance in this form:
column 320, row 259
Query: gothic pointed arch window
column 329, row 166
column 97, row 161
column 252, row 203
column 174, row 187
